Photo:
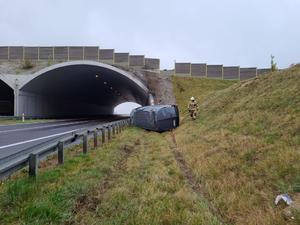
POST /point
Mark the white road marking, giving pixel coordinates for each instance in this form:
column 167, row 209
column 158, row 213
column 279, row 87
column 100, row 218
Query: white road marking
column 33, row 128
column 37, row 139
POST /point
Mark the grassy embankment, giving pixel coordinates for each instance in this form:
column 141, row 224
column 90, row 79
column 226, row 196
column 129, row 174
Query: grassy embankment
column 245, row 145
column 228, row 165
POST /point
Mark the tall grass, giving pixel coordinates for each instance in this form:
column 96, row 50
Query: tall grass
column 245, row 144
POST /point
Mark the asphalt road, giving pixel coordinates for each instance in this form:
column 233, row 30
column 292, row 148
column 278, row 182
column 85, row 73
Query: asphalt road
column 15, row 138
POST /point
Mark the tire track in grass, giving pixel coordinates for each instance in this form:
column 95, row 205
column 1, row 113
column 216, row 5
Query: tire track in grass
column 190, row 177
column 93, row 199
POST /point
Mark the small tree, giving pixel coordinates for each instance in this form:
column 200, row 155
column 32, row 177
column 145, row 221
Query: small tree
column 273, row 64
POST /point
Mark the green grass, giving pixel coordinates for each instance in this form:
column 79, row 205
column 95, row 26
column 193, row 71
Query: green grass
column 132, row 180
column 243, row 149
column 19, row 121
column 245, row 144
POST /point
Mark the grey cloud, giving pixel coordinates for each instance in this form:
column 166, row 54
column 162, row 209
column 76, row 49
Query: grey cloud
column 231, row 32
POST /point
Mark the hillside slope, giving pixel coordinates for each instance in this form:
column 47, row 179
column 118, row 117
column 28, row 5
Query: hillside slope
column 244, row 147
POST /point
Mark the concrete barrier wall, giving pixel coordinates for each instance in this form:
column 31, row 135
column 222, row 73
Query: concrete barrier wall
column 262, row 71
column 151, row 63
column 218, row 71
column 231, row 72
column 137, row 60
column 61, row 53
column 75, row 53
column 121, row 59
column 68, row 53
column 46, row 53
column 31, row 53
column 4, row 53
column 183, row 69
column 198, row 69
column 91, row 53
column 215, row 71
column 16, row 53
column 106, row 55
column 247, row 73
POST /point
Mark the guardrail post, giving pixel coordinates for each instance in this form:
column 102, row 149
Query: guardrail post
column 108, row 133
column 95, row 139
column 85, row 144
column 121, row 126
column 60, row 153
column 33, row 164
column 103, row 135
column 117, row 128
column 114, row 130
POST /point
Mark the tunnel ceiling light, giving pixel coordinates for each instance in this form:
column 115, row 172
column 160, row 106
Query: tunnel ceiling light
column 104, row 82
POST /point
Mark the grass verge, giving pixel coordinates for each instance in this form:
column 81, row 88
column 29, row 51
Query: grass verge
column 19, row 121
column 132, row 180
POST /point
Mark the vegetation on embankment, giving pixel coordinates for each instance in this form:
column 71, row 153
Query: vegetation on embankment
column 244, row 147
column 134, row 179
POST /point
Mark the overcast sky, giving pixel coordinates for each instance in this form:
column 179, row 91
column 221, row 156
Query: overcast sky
column 231, row 32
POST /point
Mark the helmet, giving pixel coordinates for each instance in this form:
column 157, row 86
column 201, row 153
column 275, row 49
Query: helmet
column 192, row 98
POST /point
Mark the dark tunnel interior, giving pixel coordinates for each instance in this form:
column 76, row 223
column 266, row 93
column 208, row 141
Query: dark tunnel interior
column 6, row 100
column 79, row 90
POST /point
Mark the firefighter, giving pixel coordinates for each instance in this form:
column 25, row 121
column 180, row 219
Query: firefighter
column 193, row 108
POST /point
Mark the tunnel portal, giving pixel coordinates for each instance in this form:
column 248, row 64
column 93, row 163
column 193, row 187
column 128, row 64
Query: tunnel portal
column 6, row 100
column 77, row 89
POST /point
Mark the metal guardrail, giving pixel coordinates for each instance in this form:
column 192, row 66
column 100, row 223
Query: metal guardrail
column 31, row 156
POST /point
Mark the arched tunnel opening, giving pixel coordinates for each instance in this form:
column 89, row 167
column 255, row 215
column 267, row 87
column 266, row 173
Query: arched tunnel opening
column 79, row 89
column 125, row 108
column 6, row 100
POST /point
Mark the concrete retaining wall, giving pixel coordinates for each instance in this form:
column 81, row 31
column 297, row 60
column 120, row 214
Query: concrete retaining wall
column 247, row 73
column 199, row 69
column 231, row 72
column 183, row 69
column 215, row 71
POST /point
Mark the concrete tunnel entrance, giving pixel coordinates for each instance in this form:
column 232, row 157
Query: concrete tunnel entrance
column 79, row 89
column 6, row 100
